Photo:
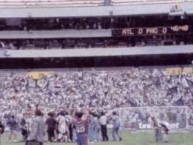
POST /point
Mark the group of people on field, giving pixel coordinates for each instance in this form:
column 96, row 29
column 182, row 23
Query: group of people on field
column 70, row 127
column 62, row 126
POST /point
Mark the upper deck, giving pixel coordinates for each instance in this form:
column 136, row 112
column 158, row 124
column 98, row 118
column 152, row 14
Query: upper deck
column 89, row 8
column 83, row 3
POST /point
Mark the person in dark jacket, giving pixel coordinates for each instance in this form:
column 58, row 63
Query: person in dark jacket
column 24, row 129
column 2, row 128
column 51, row 126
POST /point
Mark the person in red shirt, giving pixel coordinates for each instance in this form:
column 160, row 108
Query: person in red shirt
column 81, row 125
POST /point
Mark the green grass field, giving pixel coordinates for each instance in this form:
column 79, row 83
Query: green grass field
column 129, row 138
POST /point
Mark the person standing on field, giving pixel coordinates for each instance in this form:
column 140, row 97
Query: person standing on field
column 103, row 123
column 13, row 125
column 81, row 126
column 157, row 127
column 38, row 127
column 116, row 127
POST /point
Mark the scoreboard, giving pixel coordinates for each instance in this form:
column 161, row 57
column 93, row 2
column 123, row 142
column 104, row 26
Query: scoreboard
column 152, row 30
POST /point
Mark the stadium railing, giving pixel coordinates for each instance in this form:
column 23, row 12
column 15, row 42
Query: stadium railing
column 51, row 3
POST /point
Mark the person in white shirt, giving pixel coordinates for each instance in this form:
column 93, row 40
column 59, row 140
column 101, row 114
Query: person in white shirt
column 165, row 131
column 62, row 127
column 103, row 123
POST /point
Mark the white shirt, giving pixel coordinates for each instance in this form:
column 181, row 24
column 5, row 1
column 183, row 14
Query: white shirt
column 103, row 120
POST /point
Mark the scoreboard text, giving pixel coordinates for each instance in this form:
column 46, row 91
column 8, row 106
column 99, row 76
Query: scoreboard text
column 151, row 30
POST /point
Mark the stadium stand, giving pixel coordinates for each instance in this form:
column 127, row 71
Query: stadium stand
column 100, row 88
column 100, row 32
column 101, row 42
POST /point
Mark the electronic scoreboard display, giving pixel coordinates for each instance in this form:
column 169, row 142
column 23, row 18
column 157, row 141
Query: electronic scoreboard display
column 152, row 30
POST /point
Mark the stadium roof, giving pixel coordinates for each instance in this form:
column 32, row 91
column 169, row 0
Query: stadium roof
column 97, row 52
column 78, row 3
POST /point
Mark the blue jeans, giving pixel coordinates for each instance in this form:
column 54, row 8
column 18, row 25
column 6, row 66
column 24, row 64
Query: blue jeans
column 116, row 134
column 158, row 135
column 98, row 134
column 82, row 139
column 74, row 135
column 91, row 134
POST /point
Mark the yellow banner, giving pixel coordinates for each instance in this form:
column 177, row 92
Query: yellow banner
column 179, row 71
column 37, row 75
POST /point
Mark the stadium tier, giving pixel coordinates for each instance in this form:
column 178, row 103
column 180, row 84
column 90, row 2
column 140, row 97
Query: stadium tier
column 104, row 32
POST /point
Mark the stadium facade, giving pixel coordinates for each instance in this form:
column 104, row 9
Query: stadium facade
column 103, row 25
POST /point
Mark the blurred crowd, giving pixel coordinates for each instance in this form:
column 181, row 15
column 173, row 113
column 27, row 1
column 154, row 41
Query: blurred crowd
column 114, row 42
column 98, row 89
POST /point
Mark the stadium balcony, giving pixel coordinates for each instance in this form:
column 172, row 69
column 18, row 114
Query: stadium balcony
column 140, row 2
column 55, row 34
column 57, row 52
column 48, row 3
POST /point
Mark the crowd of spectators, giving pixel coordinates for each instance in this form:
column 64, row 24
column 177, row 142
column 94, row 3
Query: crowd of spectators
column 113, row 42
column 114, row 23
column 93, row 22
column 98, row 89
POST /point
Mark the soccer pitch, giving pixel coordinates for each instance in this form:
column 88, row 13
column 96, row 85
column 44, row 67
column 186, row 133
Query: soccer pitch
column 129, row 138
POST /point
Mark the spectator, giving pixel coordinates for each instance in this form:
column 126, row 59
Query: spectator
column 38, row 127
column 2, row 128
column 24, row 129
column 13, row 125
column 103, row 121
column 51, row 126
column 116, row 127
